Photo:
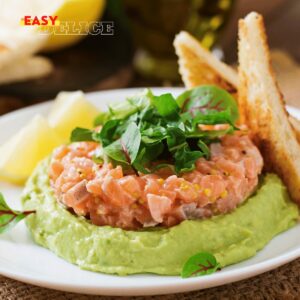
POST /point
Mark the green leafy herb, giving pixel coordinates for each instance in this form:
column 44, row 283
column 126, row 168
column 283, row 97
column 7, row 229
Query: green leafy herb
column 9, row 217
column 108, row 132
column 125, row 149
column 130, row 142
column 101, row 118
column 146, row 155
column 82, row 134
column 200, row 264
column 126, row 108
column 166, row 106
column 185, row 159
column 115, row 152
column 175, row 139
column 148, row 132
column 204, row 148
column 209, row 104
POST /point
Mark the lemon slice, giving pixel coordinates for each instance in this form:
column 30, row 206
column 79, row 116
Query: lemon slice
column 71, row 110
column 21, row 153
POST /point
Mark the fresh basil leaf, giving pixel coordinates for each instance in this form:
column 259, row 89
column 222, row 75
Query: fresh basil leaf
column 141, row 161
column 9, row 217
column 123, row 110
column 149, row 115
column 175, row 139
column 151, row 152
column 185, row 159
column 123, row 125
column 166, row 106
column 154, row 135
column 150, row 140
column 155, row 132
column 131, row 141
column 147, row 154
column 125, row 149
column 115, row 152
column 101, row 118
column 200, row 264
column 209, row 104
column 141, row 100
column 82, row 134
column 204, row 148
column 108, row 131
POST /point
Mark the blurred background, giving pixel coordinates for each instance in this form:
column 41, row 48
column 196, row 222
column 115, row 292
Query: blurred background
column 135, row 47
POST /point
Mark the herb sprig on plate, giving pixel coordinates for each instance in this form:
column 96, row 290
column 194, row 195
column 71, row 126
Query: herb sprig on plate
column 200, row 264
column 9, row 217
column 148, row 128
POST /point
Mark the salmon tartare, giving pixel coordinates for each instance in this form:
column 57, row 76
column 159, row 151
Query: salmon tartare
column 108, row 196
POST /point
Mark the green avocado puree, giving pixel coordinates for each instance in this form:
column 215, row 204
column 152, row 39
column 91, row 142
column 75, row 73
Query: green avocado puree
column 231, row 238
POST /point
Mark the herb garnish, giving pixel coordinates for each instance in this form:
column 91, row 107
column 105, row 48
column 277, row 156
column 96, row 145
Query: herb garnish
column 200, row 264
column 147, row 128
column 209, row 105
column 9, row 217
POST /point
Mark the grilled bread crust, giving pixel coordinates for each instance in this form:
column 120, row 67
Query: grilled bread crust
column 198, row 66
column 263, row 105
column 296, row 126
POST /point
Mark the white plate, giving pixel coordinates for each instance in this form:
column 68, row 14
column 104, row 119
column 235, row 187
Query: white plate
column 22, row 259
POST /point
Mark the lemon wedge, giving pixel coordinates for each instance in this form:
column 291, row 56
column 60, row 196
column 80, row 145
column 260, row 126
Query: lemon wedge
column 71, row 110
column 20, row 154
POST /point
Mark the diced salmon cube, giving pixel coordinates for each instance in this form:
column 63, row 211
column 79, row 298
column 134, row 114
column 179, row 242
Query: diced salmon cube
column 158, row 206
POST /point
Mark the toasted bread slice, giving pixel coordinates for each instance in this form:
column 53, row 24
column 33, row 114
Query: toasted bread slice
column 296, row 126
column 264, row 106
column 198, row 66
